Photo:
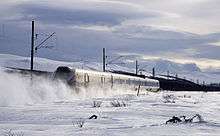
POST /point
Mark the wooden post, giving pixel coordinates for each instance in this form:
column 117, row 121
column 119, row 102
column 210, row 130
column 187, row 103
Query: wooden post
column 138, row 91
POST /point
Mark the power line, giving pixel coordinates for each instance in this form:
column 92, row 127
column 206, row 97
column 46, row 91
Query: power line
column 41, row 44
column 113, row 60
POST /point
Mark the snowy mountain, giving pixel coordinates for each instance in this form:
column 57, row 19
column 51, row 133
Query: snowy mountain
column 162, row 66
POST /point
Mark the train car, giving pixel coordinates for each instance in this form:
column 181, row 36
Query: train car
column 86, row 78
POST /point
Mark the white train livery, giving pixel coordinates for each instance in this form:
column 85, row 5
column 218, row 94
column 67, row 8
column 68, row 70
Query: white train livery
column 80, row 77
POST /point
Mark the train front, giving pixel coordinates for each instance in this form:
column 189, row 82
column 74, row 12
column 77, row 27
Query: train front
column 65, row 74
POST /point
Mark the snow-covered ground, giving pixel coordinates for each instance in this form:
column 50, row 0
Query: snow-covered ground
column 144, row 115
column 45, row 108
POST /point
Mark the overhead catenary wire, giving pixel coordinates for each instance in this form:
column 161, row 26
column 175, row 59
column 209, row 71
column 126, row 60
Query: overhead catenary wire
column 117, row 58
column 41, row 44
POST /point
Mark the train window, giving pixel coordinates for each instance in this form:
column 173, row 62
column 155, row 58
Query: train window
column 128, row 81
column 115, row 81
column 121, row 81
column 134, row 82
column 118, row 81
column 86, row 78
column 146, row 83
column 137, row 82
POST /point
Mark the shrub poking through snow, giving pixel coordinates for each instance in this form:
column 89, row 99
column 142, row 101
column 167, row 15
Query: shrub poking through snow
column 11, row 133
column 79, row 123
column 117, row 103
column 184, row 96
column 169, row 98
column 93, row 117
column 96, row 104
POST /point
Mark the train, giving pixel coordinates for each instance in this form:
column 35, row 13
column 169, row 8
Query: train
column 77, row 78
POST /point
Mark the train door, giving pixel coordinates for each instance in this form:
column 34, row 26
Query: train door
column 86, row 79
column 102, row 79
column 112, row 81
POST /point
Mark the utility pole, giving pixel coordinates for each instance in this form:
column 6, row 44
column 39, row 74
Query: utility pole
column 103, row 57
column 32, row 46
column 153, row 72
column 168, row 74
column 197, row 81
column 136, row 63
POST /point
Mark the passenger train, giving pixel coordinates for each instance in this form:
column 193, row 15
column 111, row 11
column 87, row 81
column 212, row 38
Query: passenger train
column 85, row 78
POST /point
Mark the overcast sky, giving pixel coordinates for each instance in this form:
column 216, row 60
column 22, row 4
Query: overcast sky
column 183, row 31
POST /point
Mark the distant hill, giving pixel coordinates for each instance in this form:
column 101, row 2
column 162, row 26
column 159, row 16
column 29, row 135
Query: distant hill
column 189, row 71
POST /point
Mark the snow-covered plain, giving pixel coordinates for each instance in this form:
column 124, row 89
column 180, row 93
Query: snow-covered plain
column 45, row 108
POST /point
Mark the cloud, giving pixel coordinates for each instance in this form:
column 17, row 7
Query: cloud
column 151, row 32
column 195, row 16
column 92, row 13
column 84, row 27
